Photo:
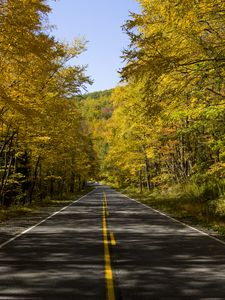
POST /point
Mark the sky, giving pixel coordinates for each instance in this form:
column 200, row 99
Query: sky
column 99, row 22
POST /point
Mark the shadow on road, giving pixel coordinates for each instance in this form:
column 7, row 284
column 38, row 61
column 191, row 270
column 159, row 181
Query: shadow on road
column 61, row 259
column 157, row 258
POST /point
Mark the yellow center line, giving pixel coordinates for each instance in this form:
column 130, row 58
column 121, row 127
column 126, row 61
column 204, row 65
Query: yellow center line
column 113, row 240
column 105, row 200
column 108, row 268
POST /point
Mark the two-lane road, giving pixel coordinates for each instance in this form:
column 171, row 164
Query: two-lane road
column 106, row 246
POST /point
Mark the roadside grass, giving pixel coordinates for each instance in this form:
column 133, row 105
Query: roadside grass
column 7, row 213
column 186, row 203
column 14, row 211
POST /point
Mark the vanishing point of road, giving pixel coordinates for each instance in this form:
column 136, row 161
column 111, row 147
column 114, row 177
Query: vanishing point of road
column 106, row 246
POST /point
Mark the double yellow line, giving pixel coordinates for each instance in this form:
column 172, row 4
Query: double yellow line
column 108, row 267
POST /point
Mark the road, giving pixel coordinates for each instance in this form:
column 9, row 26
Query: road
column 106, row 246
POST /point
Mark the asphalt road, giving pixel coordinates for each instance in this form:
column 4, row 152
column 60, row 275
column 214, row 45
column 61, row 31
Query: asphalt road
column 73, row 255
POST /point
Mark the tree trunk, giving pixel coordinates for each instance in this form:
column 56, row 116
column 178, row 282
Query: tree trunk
column 34, row 179
column 79, row 182
column 72, row 182
column 147, row 173
column 51, row 188
column 140, row 181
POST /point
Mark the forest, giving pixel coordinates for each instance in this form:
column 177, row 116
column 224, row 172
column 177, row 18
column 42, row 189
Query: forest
column 167, row 130
column 160, row 133
column 46, row 149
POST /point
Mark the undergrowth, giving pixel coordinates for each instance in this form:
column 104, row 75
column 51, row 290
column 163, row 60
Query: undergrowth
column 191, row 203
column 14, row 210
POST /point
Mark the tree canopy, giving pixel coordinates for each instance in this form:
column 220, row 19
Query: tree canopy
column 167, row 124
column 45, row 147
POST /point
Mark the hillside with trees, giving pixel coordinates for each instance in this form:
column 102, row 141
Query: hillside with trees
column 97, row 111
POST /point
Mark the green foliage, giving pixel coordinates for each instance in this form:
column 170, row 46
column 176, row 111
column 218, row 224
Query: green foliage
column 98, row 94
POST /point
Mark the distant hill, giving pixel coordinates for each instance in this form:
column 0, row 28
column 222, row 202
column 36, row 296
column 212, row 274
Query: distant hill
column 98, row 94
column 97, row 105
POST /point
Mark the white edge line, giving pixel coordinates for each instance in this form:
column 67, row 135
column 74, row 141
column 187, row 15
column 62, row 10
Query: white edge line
column 44, row 220
column 175, row 220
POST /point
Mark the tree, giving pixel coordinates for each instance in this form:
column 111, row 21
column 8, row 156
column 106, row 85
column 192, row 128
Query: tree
column 39, row 116
column 176, row 63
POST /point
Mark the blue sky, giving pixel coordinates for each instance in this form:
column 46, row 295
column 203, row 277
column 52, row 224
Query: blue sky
column 99, row 22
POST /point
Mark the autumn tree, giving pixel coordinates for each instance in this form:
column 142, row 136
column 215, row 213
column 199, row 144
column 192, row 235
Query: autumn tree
column 176, row 63
column 39, row 117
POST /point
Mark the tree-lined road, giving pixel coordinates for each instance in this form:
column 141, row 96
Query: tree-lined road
column 150, row 256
